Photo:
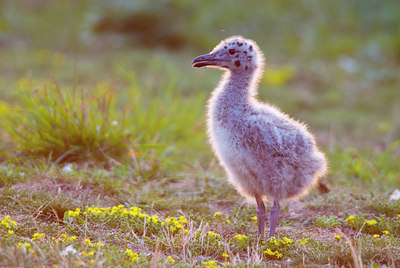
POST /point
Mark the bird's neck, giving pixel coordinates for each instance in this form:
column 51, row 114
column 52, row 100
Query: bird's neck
column 238, row 87
column 232, row 97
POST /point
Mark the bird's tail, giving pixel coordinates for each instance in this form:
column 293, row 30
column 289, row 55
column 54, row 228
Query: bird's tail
column 323, row 188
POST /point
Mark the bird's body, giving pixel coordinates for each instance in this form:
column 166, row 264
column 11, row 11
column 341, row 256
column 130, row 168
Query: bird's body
column 266, row 154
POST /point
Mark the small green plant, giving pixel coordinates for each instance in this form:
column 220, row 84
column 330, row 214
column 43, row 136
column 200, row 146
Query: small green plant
column 127, row 219
column 277, row 247
column 7, row 225
column 382, row 206
column 66, row 125
column 375, row 225
column 367, row 166
column 10, row 175
column 328, row 221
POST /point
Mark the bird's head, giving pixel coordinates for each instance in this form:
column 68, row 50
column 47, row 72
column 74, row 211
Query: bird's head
column 235, row 53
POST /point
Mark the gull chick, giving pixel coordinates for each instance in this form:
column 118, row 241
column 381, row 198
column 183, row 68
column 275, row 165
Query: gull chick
column 267, row 155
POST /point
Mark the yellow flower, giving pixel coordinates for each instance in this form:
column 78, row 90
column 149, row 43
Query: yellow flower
column 217, row 214
column 240, row 237
column 276, row 254
column 186, row 231
column 225, row 255
column 8, row 223
column 72, row 238
column 278, row 242
column 91, row 261
column 351, row 219
column 37, row 236
column 90, row 244
column 338, row 237
column 385, row 232
column 154, row 219
column 10, row 232
column 303, row 241
column 254, row 219
column 209, row 264
column 371, row 222
column 97, row 211
column 64, row 237
column 170, row 259
column 227, row 220
column 25, row 246
column 182, row 220
column 87, row 254
column 74, row 213
column 174, row 224
column 133, row 256
column 273, row 240
column 376, row 236
column 287, row 240
column 211, row 234
column 135, row 211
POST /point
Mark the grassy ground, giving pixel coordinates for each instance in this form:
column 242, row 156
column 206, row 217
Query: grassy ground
column 103, row 154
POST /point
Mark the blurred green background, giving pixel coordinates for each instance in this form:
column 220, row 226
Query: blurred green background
column 332, row 64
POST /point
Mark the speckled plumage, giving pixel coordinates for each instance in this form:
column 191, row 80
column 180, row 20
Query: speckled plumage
column 266, row 154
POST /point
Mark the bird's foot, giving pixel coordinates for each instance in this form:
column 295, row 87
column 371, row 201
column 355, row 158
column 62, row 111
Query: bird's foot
column 260, row 216
column 273, row 218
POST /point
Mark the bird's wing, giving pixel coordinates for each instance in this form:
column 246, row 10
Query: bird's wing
column 287, row 139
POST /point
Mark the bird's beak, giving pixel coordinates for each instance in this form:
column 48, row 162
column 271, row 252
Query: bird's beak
column 205, row 60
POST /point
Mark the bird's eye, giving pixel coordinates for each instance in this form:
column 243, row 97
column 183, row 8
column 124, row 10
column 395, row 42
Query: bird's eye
column 231, row 51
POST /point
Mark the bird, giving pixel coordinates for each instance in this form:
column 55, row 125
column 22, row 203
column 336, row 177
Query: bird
column 268, row 156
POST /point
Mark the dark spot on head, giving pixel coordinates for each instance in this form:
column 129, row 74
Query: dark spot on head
column 240, row 44
column 231, row 51
column 237, row 56
column 225, row 47
column 237, row 63
column 247, row 67
column 251, row 48
column 245, row 52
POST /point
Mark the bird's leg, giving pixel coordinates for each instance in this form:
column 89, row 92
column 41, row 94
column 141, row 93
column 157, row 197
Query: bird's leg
column 273, row 218
column 260, row 216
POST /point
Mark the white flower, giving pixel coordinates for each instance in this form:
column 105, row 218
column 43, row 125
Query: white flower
column 67, row 168
column 68, row 250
